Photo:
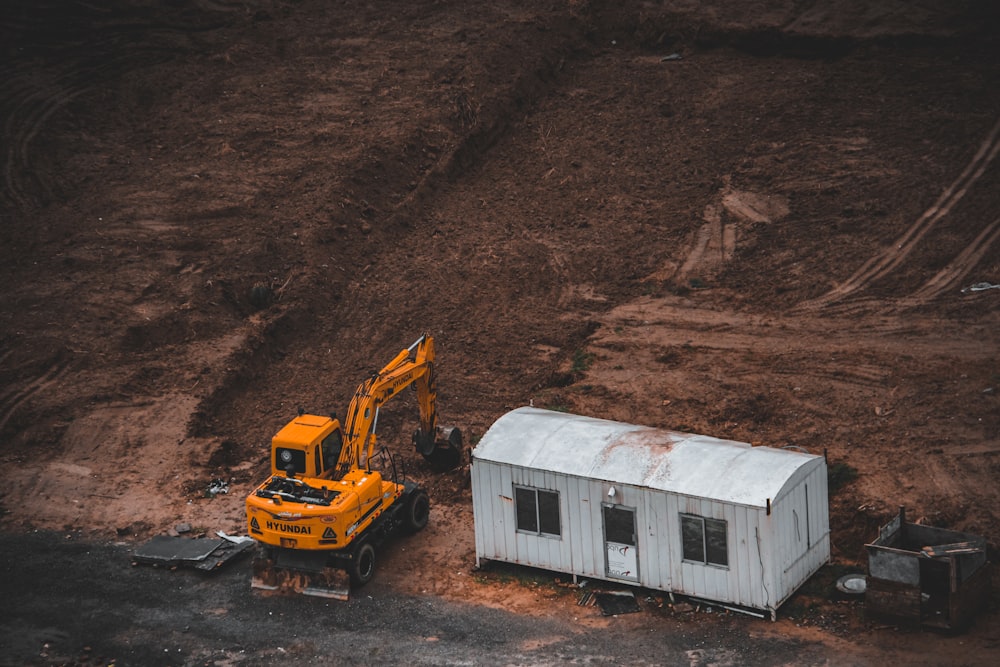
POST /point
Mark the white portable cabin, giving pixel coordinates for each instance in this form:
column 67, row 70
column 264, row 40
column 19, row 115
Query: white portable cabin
column 712, row 519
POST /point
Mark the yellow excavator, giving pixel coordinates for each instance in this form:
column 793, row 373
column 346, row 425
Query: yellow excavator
column 331, row 500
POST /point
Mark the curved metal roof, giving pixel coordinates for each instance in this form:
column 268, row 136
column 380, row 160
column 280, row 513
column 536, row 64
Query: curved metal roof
column 682, row 463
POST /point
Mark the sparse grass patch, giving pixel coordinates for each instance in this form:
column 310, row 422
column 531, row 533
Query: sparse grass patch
column 582, row 361
column 840, row 475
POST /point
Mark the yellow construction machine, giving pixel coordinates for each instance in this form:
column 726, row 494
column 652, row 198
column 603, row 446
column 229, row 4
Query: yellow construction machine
column 332, row 499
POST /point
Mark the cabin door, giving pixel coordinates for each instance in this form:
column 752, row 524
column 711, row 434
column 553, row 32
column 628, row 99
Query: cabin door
column 620, row 543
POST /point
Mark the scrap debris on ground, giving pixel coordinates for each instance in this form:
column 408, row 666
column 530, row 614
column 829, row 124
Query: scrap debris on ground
column 200, row 553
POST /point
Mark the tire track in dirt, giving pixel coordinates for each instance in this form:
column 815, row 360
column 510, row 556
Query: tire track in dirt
column 835, row 371
column 77, row 50
column 950, row 276
column 883, row 263
column 30, row 113
column 945, row 280
column 681, row 345
column 714, row 246
column 978, row 449
column 676, row 324
column 715, row 243
column 17, row 396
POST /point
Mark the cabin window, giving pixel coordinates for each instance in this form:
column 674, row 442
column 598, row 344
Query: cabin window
column 537, row 511
column 704, row 540
column 619, row 525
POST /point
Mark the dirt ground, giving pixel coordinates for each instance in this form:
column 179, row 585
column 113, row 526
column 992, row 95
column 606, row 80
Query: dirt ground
column 761, row 221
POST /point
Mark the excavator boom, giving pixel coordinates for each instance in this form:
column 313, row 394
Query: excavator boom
column 412, row 366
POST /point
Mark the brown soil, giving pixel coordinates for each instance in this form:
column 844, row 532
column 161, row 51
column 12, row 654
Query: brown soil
column 216, row 212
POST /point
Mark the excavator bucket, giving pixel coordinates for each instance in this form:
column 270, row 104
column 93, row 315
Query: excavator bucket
column 443, row 452
column 302, row 579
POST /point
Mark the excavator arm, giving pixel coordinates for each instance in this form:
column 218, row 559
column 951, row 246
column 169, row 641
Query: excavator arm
column 412, row 366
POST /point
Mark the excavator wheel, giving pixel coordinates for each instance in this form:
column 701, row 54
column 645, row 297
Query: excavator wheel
column 363, row 565
column 417, row 511
column 447, row 451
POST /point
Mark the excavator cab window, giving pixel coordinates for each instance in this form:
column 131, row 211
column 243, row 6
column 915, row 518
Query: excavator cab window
column 285, row 457
column 332, row 445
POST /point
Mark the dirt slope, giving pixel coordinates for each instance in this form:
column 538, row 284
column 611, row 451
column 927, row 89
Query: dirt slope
column 752, row 220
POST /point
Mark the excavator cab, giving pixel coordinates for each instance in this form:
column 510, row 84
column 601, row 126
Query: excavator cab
column 308, row 446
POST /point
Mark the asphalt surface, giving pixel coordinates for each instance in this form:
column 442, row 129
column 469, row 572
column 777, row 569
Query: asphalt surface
column 72, row 602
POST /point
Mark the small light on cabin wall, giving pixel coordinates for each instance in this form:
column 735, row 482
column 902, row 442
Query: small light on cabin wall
column 611, row 492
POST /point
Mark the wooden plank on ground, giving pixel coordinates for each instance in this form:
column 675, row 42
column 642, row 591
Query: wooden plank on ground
column 953, row 549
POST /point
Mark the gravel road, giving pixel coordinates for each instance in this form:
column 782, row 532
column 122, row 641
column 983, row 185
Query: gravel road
column 79, row 603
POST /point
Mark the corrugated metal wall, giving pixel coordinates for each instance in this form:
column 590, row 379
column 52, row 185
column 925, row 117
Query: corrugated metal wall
column 740, row 583
column 799, row 532
column 769, row 557
column 496, row 530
